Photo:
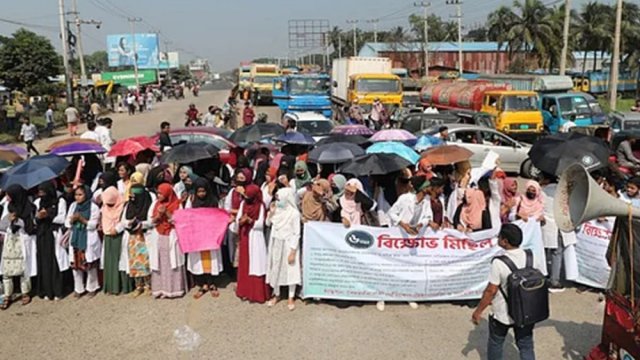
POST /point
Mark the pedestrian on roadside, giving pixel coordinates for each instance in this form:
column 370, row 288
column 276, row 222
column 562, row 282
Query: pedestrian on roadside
column 91, row 134
column 104, row 133
column 28, row 134
column 209, row 118
column 95, row 109
column 149, row 100
column 165, row 139
column 73, row 116
column 248, row 115
column 11, row 113
column 141, row 102
column 131, row 103
column 48, row 116
column 509, row 239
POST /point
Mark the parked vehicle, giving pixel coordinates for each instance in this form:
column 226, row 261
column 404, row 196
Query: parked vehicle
column 309, row 92
column 365, row 79
column 624, row 121
column 312, row 123
column 262, row 76
column 244, row 76
column 418, row 122
column 480, row 140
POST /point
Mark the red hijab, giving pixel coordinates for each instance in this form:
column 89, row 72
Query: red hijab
column 252, row 202
column 171, row 203
column 236, row 197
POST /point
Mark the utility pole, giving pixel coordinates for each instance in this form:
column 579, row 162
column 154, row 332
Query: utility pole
column 458, row 4
column 157, row 32
column 565, row 36
column 132, row 23
column 166, row 49
column 425, row 6
column 375, row 28
column 355, row 36
column 79, row 22
column 340, row 46
column 615, row 59
column 65, row 53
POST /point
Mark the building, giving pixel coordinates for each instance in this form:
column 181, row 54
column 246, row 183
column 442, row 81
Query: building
column 199, row 69
column 482, row 57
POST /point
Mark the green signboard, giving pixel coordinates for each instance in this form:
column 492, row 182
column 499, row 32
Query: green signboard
column 128, row 78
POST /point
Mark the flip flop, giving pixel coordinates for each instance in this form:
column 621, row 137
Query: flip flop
column 26, row 299
column 199, row 293
column 214, row 292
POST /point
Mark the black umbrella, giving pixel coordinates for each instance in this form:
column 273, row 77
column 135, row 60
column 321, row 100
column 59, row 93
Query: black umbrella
column 189, row 152
column 374, row 164
column 553, row 154
column 335, row 138
column 35, row 171
column 256, row 133
column 335, row 153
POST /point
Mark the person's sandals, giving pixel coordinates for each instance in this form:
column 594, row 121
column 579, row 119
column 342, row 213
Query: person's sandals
column 26, row 299
column 291, row 304
column 272, row 301
column 91, row 294
column 199, row 293
column 214, row 292
column 137, row 292
column 5, row 304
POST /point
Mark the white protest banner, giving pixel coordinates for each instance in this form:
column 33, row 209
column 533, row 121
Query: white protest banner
column 371, row 264
column 591, row 250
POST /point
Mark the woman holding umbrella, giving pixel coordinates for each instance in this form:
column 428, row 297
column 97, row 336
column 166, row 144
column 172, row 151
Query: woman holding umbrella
column 19, row 246
column 85, row 248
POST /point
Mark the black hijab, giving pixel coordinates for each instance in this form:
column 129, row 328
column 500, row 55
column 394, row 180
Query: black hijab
column 138, row 204
column 210, row 200
column 109, row 178
column 22, row 207
column 50, row 198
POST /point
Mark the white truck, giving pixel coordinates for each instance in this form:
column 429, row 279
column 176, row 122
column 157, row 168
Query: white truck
column 365, row 79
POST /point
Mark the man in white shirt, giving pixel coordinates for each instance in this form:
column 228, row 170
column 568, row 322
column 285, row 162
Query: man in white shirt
column 91, row 132
column 28, row 133
column 48, row 116
column 431, row 109
column 509, row 239
column 412, row 211
column 73, row 116
column 209, row 119
column 104, row 133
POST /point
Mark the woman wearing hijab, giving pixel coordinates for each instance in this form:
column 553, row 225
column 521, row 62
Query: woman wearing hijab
column 232, row 202
column 85, row 247
column 19, row 246
column 531, row 205
column 470, row 212
column 185, row 176
column 165, row 258
column 136, row 223
column 116, row 280
column 509, row 197
column 425, row 169
column 354, row 203
column 52, row 257
column 318, row 204
column 106, row 179
column 205, row 265
column 252, row 262
column 302, row 175
column 283, row 267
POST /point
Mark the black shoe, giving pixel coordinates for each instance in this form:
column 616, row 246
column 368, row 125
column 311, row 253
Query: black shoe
column 556, row 287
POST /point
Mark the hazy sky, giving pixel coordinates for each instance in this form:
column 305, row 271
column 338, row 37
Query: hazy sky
column 226, row 32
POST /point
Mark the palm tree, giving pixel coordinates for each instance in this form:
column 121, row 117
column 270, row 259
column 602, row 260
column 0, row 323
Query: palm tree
column 532, row 28
column 499, row 22
column 593, row 30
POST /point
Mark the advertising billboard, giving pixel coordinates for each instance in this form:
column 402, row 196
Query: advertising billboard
column 128, row 78
column 121, row 52
column 169, row 60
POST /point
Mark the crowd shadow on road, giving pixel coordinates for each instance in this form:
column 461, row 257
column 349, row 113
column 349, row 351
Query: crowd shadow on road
column 578, row 339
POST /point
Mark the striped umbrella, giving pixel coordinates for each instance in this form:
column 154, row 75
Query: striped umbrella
column 352, row 130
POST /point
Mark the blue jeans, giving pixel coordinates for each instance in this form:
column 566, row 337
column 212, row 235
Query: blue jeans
column 498, row 332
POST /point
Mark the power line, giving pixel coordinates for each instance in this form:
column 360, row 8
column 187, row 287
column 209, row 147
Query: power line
column 35, row 26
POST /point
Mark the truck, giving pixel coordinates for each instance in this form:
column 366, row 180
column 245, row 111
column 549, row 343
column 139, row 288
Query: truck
column 262, row 76
column 556, row 98
column 244, row 74
column 365, row 79
column 303, row 92
column 514, row 112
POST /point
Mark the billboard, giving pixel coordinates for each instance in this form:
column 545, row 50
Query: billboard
column 121, row 52
column 169, row 60
column 128, row 78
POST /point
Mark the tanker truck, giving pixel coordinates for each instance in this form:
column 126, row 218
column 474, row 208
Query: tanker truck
column 513, row 112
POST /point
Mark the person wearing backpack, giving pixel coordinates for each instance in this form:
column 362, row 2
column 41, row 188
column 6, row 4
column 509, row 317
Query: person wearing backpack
column 518, row 295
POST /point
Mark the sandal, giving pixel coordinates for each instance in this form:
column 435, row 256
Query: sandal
column 26, row 299
column 199, row 293
column 214, row 292
column 5, row 304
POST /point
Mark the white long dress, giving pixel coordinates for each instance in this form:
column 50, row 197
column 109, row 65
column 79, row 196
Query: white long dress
column 257, row 243
column 285, row 237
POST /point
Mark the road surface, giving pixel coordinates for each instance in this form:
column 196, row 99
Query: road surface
column 109, row 327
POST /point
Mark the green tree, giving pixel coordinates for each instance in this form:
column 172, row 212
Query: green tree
column 27, row 60
column 499, row 23
column 479, row 34
column 532, row 30
column 594, row 30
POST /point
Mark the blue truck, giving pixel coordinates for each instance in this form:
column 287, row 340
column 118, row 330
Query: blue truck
column 303, row 92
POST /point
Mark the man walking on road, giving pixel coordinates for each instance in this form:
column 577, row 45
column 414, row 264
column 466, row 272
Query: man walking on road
column 48, row 116
column 73, row 116
column 104, row 133
column 165, row 139
column 28, row 134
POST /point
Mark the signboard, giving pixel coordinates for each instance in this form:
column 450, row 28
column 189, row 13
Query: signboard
column 121, row 53
column 127, row 78
column 169, row 60
column 372, row 263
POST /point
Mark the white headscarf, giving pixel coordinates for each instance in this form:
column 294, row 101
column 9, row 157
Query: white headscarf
column 286, row 213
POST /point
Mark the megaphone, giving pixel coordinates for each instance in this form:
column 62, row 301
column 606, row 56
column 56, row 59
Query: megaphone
column 579, row 199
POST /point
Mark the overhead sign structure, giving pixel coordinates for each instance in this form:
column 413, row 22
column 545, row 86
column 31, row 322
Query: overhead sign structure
column 308, row 33
column 169, row 60
column 121, row 52
column 128, row 78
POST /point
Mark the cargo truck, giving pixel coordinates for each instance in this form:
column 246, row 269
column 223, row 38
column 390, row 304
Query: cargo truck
column 262, row 76
column 303, row 92
column 365, row 79
column 513, row 112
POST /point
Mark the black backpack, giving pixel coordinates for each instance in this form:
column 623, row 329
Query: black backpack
column 527, row 294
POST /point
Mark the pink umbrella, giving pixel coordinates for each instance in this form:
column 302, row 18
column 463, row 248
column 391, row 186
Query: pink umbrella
column 392, row 135
column 352, row 130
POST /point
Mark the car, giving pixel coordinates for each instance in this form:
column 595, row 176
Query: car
column 624, row 121
column 418, row 122
column 514, row 155
column 312, row 123
column 598, row 116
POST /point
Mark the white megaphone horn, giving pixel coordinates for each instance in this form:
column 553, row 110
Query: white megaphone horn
column 579, row 199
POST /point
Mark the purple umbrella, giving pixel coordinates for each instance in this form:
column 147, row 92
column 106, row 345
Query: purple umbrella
column 78, row 149
column 392, row 135
column 17, row 149
column 352, row 130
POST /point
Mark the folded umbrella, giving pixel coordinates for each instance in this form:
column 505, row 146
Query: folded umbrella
column 447, row 154
column 35, row 171
column 427, row 141
column 256, row 133
column 392, row 135
column 295, row 138
column 393, row 147
column 374, row 164
column 352, row 130
column 189, row 152
column 335, row 153
column 336, row 138
column 553, row 154
column 132, row 146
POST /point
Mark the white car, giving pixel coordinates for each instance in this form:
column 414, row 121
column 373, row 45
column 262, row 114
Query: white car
column 312, row 123
column 514, row 155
